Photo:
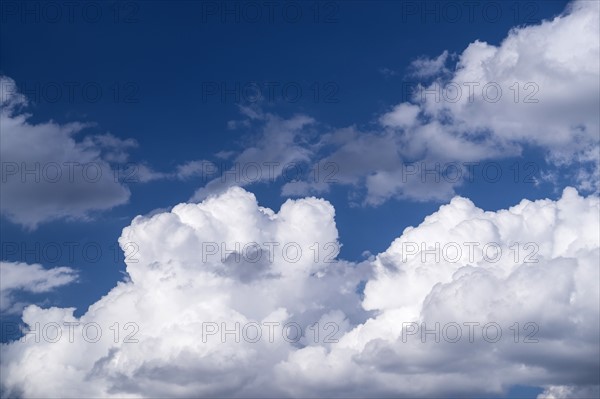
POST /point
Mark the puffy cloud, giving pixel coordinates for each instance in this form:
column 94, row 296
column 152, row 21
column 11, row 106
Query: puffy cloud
column 47, row 174
column 544, row 76
column 538, row 89
column 186, row 273
column 183, row 273
column 550, row 283
column 18, row 277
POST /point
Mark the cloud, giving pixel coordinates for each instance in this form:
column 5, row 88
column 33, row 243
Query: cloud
column 18, row 277
column 558, row 293
column 192, row 169
column 53, row 171
column 454, row 119
column 280, row 146
column 548, row 78
column 565, row 392
column 201, row 169
column 196, row 266
column 387, row 72
column 392, row 164
column 48, row 174
column 172, row 290
column 402, row 116
column 538, row 90
column 427, row 67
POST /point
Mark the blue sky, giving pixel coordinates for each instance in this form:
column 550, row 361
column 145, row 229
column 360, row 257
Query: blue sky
column 152, row 88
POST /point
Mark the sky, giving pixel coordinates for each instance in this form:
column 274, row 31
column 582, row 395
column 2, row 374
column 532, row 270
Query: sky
column 394, row 181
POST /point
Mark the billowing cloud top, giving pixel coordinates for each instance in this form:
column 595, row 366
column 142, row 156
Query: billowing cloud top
column 529, row 272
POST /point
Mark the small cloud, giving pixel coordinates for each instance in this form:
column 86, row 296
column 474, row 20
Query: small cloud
column 224, row 154
column 192, row 169
column 197, row 168
column 424, row 67
column 387, row 72
column 22, row 277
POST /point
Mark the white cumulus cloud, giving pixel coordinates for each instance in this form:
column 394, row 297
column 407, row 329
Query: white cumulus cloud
column 538, row 89
column 193, row 269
